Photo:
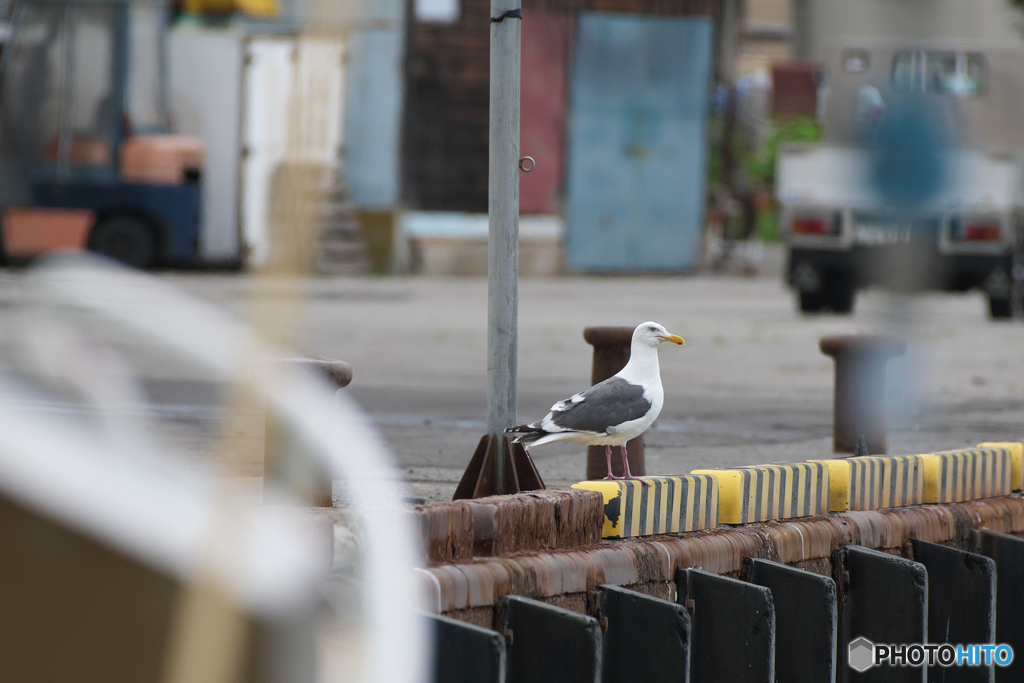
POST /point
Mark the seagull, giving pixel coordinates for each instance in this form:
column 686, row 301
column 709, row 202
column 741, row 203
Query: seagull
column 611, row 412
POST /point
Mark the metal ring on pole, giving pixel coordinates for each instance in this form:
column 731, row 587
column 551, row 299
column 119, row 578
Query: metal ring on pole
column 522, row 164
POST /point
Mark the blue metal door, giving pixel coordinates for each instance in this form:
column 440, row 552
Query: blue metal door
column 637, row 142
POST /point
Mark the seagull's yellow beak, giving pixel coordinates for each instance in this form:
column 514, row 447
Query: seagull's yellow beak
column 675, row 339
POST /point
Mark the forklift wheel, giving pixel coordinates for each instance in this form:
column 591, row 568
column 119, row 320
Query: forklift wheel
column 126, row 239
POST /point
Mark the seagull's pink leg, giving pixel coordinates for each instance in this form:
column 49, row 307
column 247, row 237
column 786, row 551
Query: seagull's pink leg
column 625, row 468
column 608, row 456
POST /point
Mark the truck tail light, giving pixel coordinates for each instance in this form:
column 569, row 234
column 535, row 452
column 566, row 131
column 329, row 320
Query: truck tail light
column 816, row 224
column 982, row 232
column 977, row 230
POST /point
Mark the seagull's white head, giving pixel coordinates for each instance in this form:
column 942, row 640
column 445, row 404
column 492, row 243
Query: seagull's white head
column 654, row 335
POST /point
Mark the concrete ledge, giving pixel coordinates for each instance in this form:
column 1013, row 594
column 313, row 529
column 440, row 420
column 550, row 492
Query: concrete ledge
column 448, row 243
column 441, row 256
column 471, row 590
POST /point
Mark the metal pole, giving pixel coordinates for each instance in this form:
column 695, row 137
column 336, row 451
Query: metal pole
column 1017, row 270
column 503, row 231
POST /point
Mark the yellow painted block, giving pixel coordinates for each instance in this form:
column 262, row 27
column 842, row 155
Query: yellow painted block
column 967, row 474
column 670, row 504
column 875, row 481
column 838, row 484
column 730, row 495
column 766, row 492
column 1016, row 449
column 255, row 8
column 886, row 481
column 931, row 464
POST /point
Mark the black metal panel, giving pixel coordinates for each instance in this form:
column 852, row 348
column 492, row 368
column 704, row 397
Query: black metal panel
column 647, row 641
column 805, row 620
column 551, row 644
column 961, row 605
column 885, row 601
column 1008, row 553
column 464, row 653
column 732, row 633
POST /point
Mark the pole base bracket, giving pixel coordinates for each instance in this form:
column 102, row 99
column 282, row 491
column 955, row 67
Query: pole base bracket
column 480, row 480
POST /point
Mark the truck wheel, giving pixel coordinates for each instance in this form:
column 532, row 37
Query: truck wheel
column 811, row 302
column 841, row 294
column 999, row 307
column 127, row 239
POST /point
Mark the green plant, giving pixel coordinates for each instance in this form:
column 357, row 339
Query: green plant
column 761, row 166
column 768, row 227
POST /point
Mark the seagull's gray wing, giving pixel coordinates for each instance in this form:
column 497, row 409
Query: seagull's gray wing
column 602, row 406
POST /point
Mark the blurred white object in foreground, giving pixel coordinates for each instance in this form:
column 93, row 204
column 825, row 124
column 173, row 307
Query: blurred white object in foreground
column 211, row 589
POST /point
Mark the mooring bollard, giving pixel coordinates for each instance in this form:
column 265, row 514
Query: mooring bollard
column 611, row 353
column 285, row 460
column 859, row 404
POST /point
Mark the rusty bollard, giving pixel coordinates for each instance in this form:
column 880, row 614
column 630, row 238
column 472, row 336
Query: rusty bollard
column 611, row 353
column 285, row 460
column 859, row 404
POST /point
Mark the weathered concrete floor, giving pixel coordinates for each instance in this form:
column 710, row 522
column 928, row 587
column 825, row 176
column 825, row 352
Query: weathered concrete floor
column 749, row 387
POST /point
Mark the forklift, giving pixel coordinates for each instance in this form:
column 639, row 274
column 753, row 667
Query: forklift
column 87, row 156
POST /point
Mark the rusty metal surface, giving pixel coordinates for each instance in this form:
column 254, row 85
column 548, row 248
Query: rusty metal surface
column 891, row 528
column 804, row 539
column 542, row 520
column 859, row 408
column 611, row 353
column 654, row 559
column 481, row 476
column 446, row 531
column 1005, row 515
column 496, row 526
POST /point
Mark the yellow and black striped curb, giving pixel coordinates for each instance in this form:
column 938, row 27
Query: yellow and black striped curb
column 967, row 474
column 875, row 481
column 776, row 492
column 765, row 492
column 669, row 504
column 1016, row 449
column 577, row 517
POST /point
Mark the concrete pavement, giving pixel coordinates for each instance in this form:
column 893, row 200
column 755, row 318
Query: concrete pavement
column 749, row 387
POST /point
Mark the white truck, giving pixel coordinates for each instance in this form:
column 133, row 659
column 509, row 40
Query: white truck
column 842, row 236
column 836, row 208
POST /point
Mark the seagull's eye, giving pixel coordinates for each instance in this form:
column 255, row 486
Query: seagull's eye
column 653, row 329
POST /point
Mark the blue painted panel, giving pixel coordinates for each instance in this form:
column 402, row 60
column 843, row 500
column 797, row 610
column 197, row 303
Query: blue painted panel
column 175, row 207
column 373, row 105
column 637, row 142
